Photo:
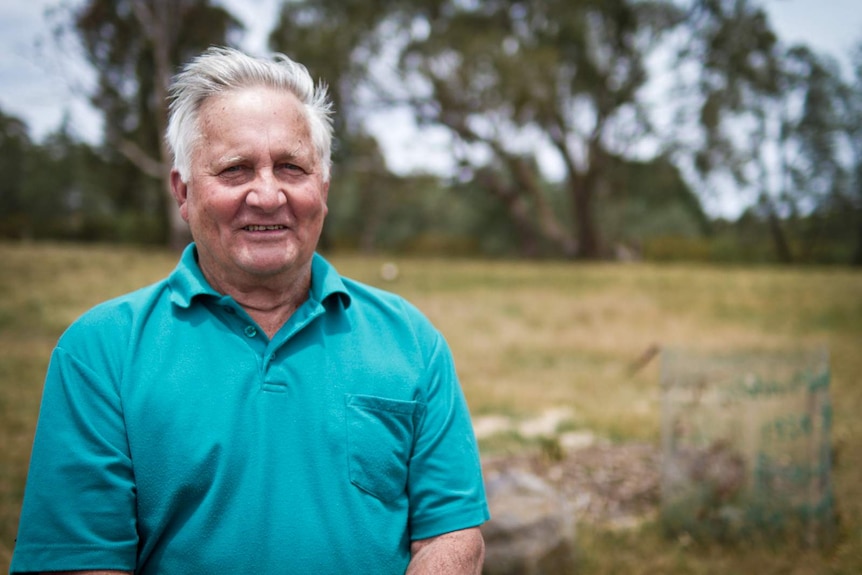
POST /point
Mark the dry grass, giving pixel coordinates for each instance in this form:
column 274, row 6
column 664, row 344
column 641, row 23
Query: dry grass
column 526, row 337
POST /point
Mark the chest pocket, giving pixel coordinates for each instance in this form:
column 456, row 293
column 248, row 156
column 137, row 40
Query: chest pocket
column 380, row 434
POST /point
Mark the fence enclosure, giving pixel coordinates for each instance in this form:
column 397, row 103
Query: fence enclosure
column 746, row 445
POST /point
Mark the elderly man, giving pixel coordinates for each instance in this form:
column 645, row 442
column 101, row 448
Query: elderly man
column 254, row 412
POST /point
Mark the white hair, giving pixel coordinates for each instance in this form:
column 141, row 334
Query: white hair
column 219, row 70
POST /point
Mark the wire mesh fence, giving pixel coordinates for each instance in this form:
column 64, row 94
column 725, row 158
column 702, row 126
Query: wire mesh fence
column 746, row 451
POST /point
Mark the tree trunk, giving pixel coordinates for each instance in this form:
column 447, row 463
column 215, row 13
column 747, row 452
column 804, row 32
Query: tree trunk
column 372, row 220
column 779, row 238
column 547, row 222
column 160, row 22
column 857, row 256
column 582, row 189
column 517, row 210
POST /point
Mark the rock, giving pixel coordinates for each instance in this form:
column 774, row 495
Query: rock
column 532, row 527
column 488, row 425
column 546, row 424
column 575, row 440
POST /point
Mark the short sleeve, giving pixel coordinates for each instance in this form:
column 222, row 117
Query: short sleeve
column 79, row 504
column 445, row 484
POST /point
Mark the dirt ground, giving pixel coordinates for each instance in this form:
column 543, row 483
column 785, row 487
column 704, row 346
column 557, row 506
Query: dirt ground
column 617, row 486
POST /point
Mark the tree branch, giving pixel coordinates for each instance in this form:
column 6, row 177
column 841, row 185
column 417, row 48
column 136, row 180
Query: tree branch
column 143, row 161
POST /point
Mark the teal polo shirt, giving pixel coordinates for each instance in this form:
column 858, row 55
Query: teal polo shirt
column 175, row 437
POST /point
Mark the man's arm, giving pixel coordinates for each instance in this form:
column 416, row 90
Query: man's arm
column 456, row 553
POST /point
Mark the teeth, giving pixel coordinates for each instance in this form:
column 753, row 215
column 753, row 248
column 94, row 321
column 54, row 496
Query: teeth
column 263, row 228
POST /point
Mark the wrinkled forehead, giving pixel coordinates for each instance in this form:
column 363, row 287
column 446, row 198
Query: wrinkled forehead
column 252, row 114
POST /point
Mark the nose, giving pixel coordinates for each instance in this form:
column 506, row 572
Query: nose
column 266, row 193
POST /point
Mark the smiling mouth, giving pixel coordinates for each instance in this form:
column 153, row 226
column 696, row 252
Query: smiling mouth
column 264, row 228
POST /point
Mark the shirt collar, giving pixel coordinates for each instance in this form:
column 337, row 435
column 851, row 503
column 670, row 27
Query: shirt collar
column 326, row 283
column 187, row 281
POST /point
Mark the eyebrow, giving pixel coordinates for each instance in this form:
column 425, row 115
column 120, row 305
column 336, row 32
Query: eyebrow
column 300, row 152
column 230, row 159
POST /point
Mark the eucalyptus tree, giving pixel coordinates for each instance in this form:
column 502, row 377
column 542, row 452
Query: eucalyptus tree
column 729, row 117
column 771, row 119
column 134, row 47
column 815, row 163
column 852, row 121
column 517, row 83
column 545, row 102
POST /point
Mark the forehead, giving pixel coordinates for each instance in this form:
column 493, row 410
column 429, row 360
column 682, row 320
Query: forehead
column 256, row 102
column 254, row 114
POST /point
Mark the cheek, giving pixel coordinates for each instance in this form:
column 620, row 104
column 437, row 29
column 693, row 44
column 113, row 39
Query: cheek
column 311, row 205
column 218, row 209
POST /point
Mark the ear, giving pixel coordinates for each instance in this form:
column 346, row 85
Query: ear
column 180, row 191
column 324, row 192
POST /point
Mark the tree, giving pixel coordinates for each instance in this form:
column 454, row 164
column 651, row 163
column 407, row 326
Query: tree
column 813, row 168
column 770, row 119
column 515, row 82
column 852, row 120
column 15, row 146
column 135, row 46
column 652, row 200
column 730, row 88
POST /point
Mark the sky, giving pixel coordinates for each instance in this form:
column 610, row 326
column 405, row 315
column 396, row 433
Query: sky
column 42, row 85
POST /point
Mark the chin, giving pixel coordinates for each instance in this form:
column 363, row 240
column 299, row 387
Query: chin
column 267, row 267
column 270, row 265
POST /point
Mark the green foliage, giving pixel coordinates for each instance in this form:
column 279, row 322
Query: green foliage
column 826, row 236
column 503, row 78
column 771, row 117
column 852, row 120
column 419, row 215
column 65, row 189
column 513, row 85
column 649, row 200
column 15, row 148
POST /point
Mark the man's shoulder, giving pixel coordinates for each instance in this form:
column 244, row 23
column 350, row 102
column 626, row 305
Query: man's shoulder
column 329, row 284
column 118, row 314
column 386, row 314
column 370, row 299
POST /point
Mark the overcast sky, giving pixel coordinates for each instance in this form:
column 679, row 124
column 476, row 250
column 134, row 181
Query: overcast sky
column 40, row 85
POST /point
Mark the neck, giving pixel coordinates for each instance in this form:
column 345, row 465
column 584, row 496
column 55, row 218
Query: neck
column 272, row 316
column 271, row 301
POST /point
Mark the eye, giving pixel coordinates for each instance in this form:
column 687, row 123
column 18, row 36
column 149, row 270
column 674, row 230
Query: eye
column 235, row 169
column 235, row 174
column 290, row 168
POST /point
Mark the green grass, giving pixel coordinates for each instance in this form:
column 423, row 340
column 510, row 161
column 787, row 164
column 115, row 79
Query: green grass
column 526, row 337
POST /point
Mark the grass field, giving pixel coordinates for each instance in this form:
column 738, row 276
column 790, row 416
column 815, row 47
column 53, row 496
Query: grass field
column 526, row 337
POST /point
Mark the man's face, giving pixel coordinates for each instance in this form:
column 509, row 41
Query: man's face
column 255, row 199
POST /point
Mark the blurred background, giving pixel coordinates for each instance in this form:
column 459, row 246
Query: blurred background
column 638, row 223
column 716, row 130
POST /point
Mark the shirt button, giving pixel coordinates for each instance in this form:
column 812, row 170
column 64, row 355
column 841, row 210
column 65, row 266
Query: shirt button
column 250, row 331
column 229, row 310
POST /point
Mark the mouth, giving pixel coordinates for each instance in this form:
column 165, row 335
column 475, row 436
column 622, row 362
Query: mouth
column 256, row 228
